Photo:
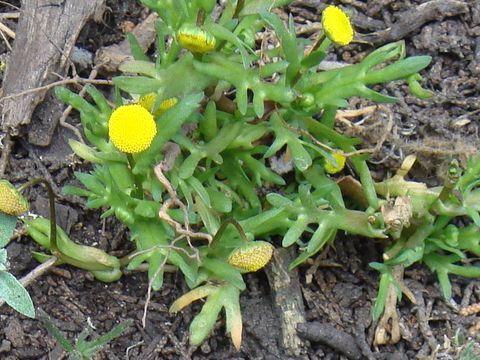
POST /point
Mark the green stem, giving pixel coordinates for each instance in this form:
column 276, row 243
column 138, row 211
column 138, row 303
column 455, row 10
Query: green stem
column 239, row 8
column 51, row 200
column 223, row 227
column 465, row 271
column 366, row 179
column 138, row 193
column 328, row 116
column 394, row 250
column 319, row 43
column 352, row 221
column 323, row 43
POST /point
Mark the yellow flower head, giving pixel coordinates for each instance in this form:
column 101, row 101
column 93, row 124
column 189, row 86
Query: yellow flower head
column 11, row 201
column 131, row 128
column 195, row 39
column 337, row 26
column 331, row 168
column 251, row 257
column 148, row 100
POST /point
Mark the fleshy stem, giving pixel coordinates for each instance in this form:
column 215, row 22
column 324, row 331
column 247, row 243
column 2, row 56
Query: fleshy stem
column 138, row 193
column 51, row 200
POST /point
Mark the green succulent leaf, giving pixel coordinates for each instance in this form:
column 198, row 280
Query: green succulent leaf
column 296, row 230
column 224, row 271
column 385, row 280
column 203, row 323
column 136, row 48
column 142, row 67
column 257, row 6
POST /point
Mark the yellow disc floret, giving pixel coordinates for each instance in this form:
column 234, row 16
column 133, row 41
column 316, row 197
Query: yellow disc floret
column 195, row 39
column 336, row 25
column 131, row 128
column 11, row 201
column 148, row 101
column 331, row 168
column 251, row 257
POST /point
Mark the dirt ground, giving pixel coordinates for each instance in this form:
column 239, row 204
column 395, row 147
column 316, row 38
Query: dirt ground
column 338, row 287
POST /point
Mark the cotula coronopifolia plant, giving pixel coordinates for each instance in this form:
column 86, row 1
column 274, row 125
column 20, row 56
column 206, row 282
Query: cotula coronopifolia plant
column 215, row 146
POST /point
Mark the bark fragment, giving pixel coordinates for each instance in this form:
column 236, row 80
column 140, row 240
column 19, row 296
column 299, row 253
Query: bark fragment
column 46, row 34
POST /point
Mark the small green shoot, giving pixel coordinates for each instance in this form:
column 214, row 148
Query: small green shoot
column 82, row 349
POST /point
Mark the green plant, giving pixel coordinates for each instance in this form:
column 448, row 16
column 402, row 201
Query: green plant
column 428, row 232
column 83, row 349
column 200, row 132
column 470, row 352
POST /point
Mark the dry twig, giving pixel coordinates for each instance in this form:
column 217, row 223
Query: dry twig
column 343, row 115
column 5, row 29
column 75, row 80
column 174, row 201
column 10, row 15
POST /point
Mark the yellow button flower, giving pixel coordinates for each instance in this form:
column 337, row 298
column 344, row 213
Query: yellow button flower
column 131, row 128
column 252, row 256
column 331, row 168
column 337, row 26
column 11, row 201
column 195, row 39
column 148, row 100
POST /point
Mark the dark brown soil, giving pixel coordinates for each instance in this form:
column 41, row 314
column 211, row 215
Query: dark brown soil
column 338, row 288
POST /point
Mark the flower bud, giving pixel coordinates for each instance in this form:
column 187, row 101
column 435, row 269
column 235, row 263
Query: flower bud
column 251, row 257
column 195, row 39
column 148, row 101
column 331, row 168
column 11, row 201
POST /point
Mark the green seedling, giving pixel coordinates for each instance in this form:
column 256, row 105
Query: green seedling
column 82, row 349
